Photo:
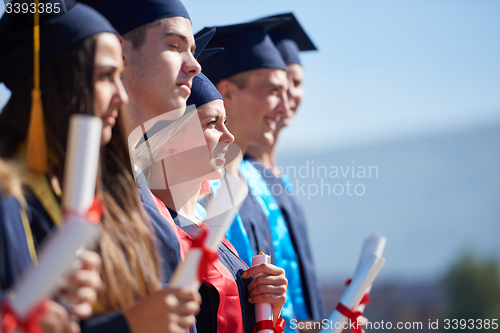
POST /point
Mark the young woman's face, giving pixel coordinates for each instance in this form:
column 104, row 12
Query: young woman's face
column 109, row 94
column 212, row 117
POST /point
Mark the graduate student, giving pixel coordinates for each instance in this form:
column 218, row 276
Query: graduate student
column 251, row 77
column 290, row 39
column 17, row 252
column 159, row 65
column 80, row 68
column 178, row 160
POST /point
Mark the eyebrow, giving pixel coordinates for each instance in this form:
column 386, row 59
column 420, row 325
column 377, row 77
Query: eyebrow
column 181, row 36
column 106, row 66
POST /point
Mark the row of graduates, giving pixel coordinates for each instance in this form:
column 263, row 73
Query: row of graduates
column 138, row 79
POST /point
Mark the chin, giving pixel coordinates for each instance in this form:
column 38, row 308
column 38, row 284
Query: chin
column 215, row 175
column 106, row 135
column 267, row 139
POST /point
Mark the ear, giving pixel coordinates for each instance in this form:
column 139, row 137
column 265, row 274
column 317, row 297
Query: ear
column 227, row 89
column 127, row 49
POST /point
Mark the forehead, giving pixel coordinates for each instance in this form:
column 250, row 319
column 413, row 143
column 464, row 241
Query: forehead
column 215, row 107
column 295, row 71
column 264, row 77
column 179, row 25
column 108, row 46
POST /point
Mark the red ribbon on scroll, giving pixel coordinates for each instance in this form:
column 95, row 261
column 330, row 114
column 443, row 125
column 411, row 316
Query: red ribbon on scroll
column 269, row 325
column 209, row 255
column 93, row 215
column 366, row 298
column 352, row 315
column 11, row 321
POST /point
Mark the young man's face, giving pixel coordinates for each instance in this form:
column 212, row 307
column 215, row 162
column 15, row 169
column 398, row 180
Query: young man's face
column 158, row 75
column 259, row 106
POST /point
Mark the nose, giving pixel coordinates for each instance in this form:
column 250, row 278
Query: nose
column 227, row 136
column 291, row 98
column 191, row 65
column 120, row 97
column 283, row 107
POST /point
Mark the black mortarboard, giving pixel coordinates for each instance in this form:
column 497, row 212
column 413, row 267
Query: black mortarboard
column 57, row 33
column 290, row 38
column 247, row 46
column 126, row 15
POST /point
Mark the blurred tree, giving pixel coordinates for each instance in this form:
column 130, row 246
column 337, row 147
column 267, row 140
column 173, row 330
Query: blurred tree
column 473, row 285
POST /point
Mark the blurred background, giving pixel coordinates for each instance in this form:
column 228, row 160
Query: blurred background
column 409, row 92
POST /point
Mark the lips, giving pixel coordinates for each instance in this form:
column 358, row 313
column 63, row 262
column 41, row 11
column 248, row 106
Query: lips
column 110, row 118
column 220, row 157
column 185, row 85
column 270, row 122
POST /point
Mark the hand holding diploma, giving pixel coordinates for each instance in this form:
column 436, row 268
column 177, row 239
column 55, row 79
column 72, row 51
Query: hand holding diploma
column 81, row 216
column 267, row 291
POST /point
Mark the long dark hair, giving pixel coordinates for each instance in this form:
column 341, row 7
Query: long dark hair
column 130, row 263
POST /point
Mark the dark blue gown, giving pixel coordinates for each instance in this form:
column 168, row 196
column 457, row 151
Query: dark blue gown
column 14, row 251
column 166, row 240
column 206, row 321
column 257, row 227
column 297, row 227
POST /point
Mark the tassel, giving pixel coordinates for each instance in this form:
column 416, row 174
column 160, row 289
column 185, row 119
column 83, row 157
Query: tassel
column 205, row 188
column 36, row 146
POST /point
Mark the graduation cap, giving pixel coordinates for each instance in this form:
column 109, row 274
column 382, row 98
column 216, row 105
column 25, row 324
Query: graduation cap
column 58, row 32
column 247, row 46
column 202, row 41
column 290, row 38
column 27, row 41
column 126, row 15
column 202, row 91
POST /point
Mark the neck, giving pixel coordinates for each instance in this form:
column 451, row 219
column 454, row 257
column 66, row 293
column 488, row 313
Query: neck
column 265, row 155
column 181, row 198
column 136, row 114
column 233, row 167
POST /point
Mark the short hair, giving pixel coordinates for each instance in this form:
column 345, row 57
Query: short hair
column 240, row 79
column 138, row 36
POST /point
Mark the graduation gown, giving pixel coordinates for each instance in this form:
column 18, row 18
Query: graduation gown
column 297, row 226
column 257, row 228
column 40, row 213
column 225, row 306
column 165, row 237
column 16, row 247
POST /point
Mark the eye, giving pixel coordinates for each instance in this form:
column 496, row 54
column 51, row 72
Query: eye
column 174, row 46
column 106, row 75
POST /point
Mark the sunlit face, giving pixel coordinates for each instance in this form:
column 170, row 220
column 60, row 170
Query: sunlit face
column 258, row 106
column 158, row 76
column 197, row 150
column 212, row 117
column 109, row 94
column 295, row 74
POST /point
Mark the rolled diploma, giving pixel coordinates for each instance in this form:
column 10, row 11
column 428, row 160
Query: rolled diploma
column 58, row 252
column 221, row 211
column 263, row 311
column 363, row 278
column 82, row 160
column 374, row 243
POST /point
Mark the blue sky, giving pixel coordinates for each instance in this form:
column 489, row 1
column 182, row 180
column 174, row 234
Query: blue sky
column 385, row 69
